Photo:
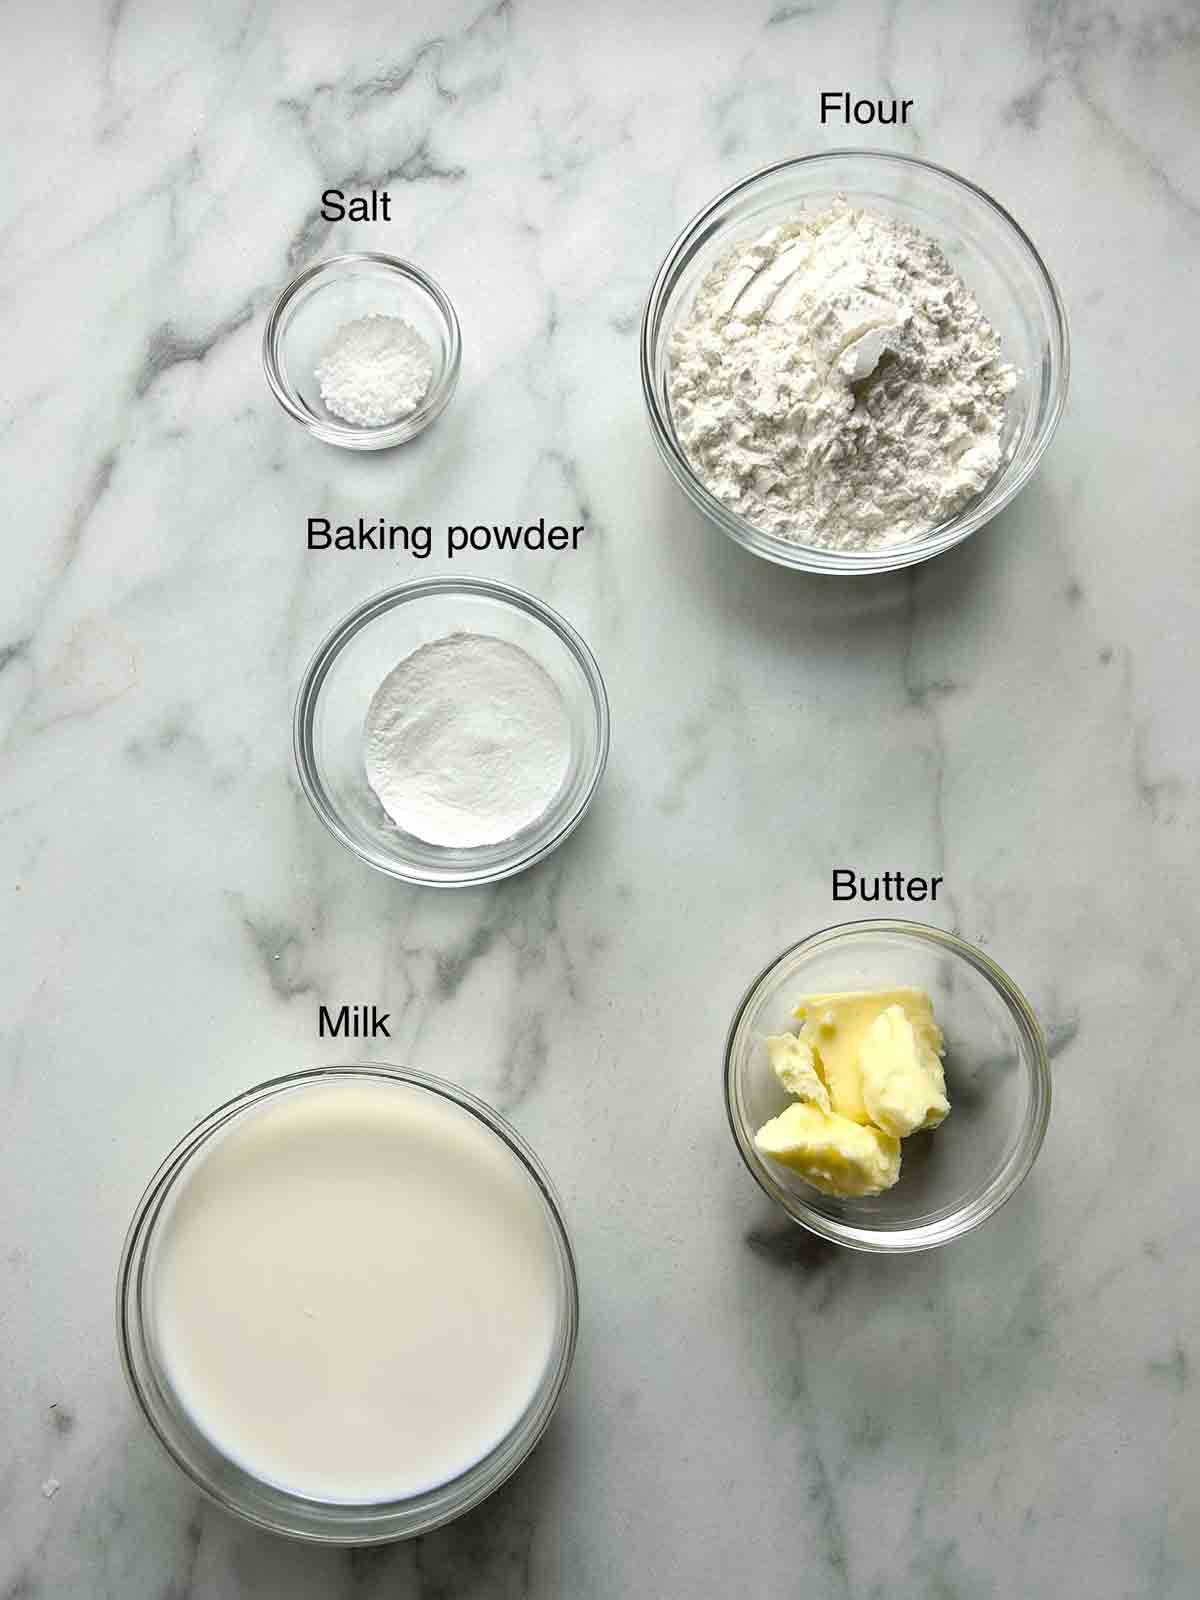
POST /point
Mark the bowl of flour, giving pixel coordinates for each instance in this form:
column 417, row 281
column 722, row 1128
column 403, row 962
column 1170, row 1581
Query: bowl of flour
column 363, row 350
column 851, row 361
column 452, row 731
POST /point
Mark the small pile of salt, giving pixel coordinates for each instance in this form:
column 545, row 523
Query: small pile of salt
column 376, row 370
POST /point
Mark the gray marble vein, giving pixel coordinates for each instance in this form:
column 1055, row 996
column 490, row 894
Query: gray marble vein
column 753, row 1411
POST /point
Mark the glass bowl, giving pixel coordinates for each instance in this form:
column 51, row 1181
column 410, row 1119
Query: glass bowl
column 988, row 249
column 997, row 1078
column 358, row 655
column 229, row 1482
column 309, row 312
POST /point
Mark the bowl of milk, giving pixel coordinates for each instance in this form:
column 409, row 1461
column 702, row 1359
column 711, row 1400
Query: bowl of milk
column 347, row 1304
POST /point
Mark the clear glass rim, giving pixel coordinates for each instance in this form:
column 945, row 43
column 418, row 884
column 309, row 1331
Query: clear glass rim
column 1009, row 1176
column 375, row 1523
column 536, row 849
column 346, row 434
column 815, row 558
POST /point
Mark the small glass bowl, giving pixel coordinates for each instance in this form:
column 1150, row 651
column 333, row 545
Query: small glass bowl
column 353, row 661
column 227, row 1481
column 988, row 249
column 309, row 312
column 997, row 1078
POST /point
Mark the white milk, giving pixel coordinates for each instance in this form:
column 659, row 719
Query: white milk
column 356, row 1292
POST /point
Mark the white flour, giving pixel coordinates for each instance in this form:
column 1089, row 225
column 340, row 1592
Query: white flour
column 467, row 741
column 375, row 370
column 836, row 383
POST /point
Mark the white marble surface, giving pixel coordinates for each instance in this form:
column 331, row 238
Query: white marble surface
column 751, row 1413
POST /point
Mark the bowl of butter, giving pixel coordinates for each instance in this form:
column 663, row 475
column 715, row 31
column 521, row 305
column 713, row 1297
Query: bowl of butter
column 887, row 1085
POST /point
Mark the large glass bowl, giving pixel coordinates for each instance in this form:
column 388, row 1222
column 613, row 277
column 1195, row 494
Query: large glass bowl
column 987, row 248
column 353, row 661
column 997, row 1078
column 230, row 1483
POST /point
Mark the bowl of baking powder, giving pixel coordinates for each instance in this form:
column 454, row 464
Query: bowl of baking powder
column 853, row 360
column 363, row 350
column 452, row 731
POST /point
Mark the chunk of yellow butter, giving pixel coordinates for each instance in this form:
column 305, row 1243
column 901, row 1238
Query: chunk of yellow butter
column 903, row 1084
column 835, row 1026
column 793, row 1063
column 835, row 1155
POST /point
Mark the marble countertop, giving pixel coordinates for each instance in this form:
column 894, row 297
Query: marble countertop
column 752, row 1412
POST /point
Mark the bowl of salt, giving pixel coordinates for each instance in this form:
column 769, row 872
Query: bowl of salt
column 363, row 350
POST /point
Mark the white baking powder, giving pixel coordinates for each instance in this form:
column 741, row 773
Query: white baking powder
column 467, row 741
column 376, row 370
column 836, row 383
